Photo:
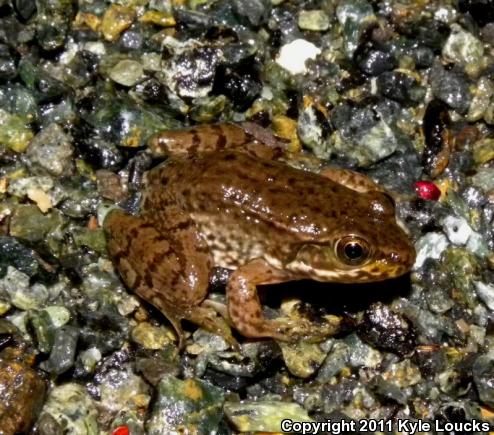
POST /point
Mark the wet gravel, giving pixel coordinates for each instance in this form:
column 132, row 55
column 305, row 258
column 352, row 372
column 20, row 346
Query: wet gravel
column 400, row 91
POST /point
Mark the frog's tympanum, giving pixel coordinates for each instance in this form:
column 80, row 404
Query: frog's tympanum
column 221, row 200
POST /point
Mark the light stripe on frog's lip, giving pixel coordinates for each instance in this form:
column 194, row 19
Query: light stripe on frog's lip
column 371, row 272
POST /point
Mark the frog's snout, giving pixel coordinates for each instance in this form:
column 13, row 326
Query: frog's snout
column 406, row 258
column 400, row 259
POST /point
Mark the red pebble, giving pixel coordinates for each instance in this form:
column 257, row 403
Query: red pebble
column 121, row 430
column 427, row 190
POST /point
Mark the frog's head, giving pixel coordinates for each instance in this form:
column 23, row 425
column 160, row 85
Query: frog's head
column 368, row 245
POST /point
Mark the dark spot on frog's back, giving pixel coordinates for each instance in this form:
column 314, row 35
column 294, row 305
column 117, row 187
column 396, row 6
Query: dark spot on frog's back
column 180, row 226
column 157, row 260
column 315, row 208
column 148, row 279
column 230, row 157
column 276, row 191
column 221, row 141
column 195, row 142
column 186, row 192
column 234, row 311
column 311, row 190
column 175, row 277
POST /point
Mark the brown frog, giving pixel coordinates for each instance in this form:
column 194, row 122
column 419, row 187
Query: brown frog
column 222, row 200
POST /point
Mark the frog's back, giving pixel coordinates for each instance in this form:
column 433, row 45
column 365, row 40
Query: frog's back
column 232, row 185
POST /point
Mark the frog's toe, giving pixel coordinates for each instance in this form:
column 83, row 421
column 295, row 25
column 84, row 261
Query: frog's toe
column 278, row 329
column 175, row 319
column 177, row 326
column 208, row 319
column 302, row 329
column 218, row 307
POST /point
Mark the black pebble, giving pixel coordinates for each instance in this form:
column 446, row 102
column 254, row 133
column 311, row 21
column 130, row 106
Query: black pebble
column 240, row 84
column 482, row 11
column 387, row 330
column 373, row 59
column 24, row 9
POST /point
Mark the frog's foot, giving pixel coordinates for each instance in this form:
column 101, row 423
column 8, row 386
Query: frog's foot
column 220, row 308
column 302, row 329
column 201, row 316
column 208, row 319
column 288, row 330
column 174, row 316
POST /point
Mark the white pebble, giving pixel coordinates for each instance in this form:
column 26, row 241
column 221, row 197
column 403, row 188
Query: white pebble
column 457, row 230
column 486, row 293
column 431, row 245
column 292, row 56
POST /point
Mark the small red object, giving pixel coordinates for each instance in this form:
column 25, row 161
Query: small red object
column 427, row 190
column 121, row 430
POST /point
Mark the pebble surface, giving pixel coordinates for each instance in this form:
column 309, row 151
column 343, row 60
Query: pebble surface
column 400, row 91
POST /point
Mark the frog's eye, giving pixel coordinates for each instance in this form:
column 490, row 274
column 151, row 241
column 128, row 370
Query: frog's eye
column 352, row 250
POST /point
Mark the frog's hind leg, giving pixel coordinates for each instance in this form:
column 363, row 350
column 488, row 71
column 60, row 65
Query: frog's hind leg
column 359, row 182
column 172, row 275
column 199, row 139
column 208, row 138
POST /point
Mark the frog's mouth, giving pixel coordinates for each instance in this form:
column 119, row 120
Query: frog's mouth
column 375, row 271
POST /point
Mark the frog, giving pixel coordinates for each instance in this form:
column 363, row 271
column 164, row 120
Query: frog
column 224, row 199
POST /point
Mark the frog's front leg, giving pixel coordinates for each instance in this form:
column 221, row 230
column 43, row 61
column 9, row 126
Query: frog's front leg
column 171, row 274
column 245, row 309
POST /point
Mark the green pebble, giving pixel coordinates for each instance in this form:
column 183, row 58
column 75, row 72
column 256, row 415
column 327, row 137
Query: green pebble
column 315, row 20
column 127, row 72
